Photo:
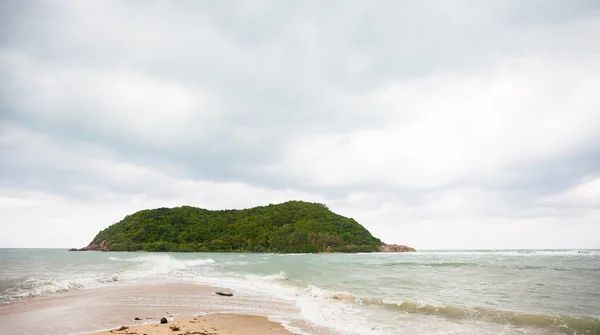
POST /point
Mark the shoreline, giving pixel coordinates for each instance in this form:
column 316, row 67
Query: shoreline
column 204, row 324
column 140, row 307
column 306, row 294
column 247, row 252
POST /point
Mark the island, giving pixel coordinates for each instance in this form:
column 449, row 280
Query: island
column 290, row 227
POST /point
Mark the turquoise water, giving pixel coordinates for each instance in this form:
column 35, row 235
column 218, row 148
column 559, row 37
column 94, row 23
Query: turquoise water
column 427, row 292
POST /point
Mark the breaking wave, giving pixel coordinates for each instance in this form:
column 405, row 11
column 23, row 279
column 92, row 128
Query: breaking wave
column 561, row 323
column 564, row 324
column 30, row 287
column 270, row 277
column 164, row 261
column 139, row 267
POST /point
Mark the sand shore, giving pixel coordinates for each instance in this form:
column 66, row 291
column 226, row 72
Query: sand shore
column 140, row 308
column 209, row 324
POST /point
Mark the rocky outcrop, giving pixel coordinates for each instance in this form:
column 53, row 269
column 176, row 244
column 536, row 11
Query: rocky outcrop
column 395, row 248
column 102, row 246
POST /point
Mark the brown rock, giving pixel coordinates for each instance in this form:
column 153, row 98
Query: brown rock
column 102, row 246
column 395, row 248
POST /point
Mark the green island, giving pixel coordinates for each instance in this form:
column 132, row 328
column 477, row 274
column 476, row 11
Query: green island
column 290, row 227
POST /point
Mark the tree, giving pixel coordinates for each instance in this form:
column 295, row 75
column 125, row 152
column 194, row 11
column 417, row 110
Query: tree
column 293, row 226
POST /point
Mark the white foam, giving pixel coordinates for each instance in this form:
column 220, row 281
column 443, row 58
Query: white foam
column 31, row 287
column 317, row 305
column 163, row 260
column 157, row 265
column 199, row 262
column 141, row 267
column 523, row 253
column 270, row 277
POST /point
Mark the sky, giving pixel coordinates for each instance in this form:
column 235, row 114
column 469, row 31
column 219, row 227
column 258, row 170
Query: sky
column 436, row 124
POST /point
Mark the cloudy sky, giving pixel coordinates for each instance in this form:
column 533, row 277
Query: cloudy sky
column 436, row 124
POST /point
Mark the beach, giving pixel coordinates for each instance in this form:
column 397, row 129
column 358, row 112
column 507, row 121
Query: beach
column 340, row 167
column 193, row 308
column 209, row 324
column 512, row 292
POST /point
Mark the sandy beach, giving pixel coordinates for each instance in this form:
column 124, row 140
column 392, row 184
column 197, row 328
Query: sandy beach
column 440, row 292
column 209, row 324
column 194, row 309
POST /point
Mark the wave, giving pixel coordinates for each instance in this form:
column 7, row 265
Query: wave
column 564, row 324
column 199, row 262
column 341, row 302
column 401, row 264
column 516, row 252
column 30, row 287
column 270, row 277
column 140, row 267
column 163, row 264
column 560, row 323
column 165, row 259
column 157, row 266
column 432, row 264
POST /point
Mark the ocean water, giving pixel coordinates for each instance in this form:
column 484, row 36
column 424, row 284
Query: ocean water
column 427, row 292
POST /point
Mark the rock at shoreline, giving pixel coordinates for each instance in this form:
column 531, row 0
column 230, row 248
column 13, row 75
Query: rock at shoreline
column 163, row 320
column 73, row 249
column 102, row 246
column 395, row 248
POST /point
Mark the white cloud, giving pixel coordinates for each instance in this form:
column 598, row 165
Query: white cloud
column 447, row 129
column 417, row 121
column 435, row 231
column 35, row 219
column 97, row 199
column 586, row 195
column 124, row 103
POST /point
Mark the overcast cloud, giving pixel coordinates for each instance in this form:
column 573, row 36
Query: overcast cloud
column 436, row 124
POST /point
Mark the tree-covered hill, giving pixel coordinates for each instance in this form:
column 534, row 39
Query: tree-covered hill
column 293, row 226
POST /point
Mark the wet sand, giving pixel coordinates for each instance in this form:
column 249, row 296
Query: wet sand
column 105, row 309
column 210, row 324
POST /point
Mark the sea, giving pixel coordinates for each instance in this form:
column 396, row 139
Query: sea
column 51, row 291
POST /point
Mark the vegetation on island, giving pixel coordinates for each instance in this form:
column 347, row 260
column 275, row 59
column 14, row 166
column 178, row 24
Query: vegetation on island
column 290, row 227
